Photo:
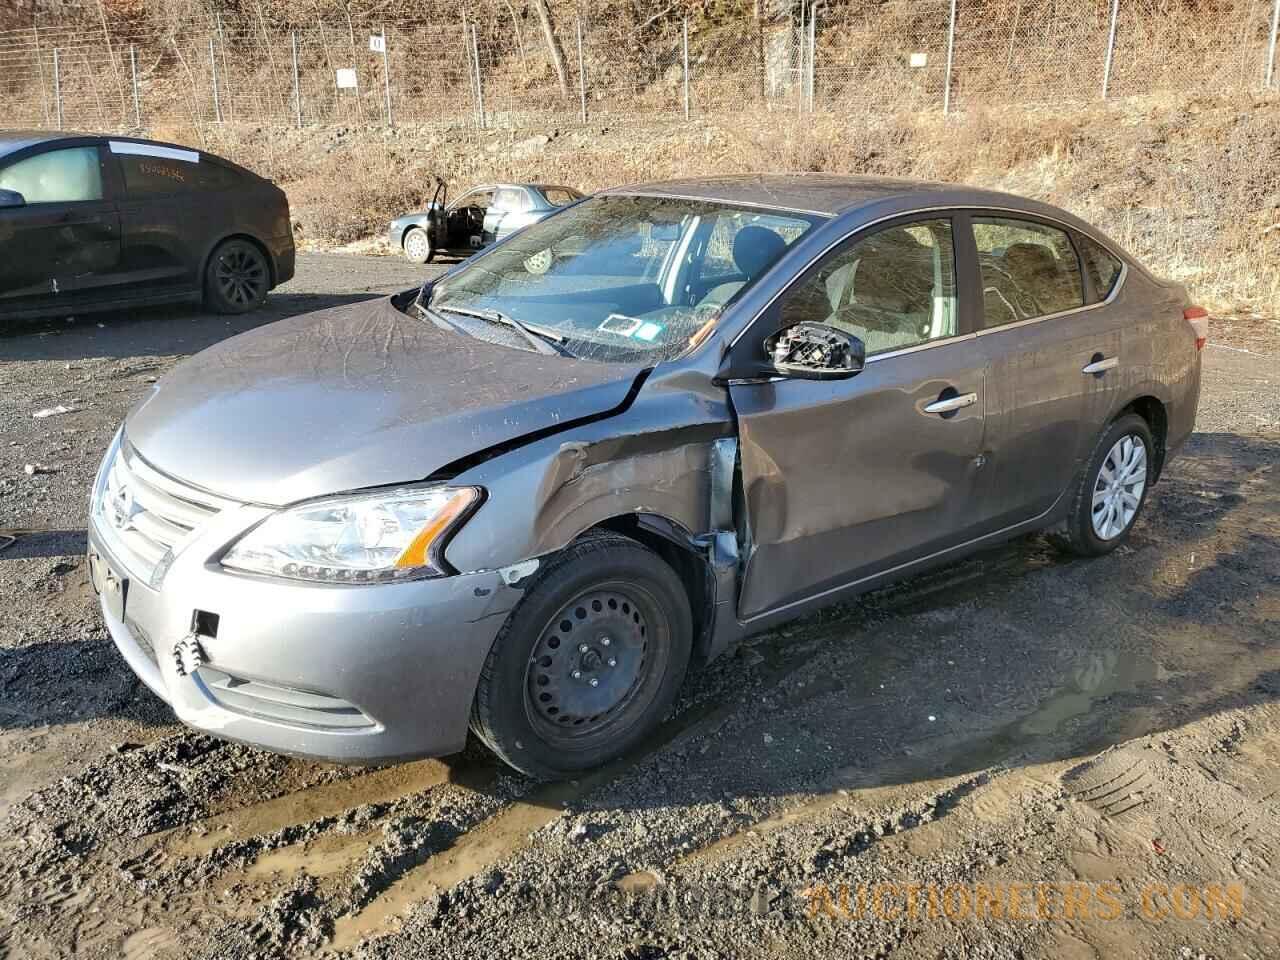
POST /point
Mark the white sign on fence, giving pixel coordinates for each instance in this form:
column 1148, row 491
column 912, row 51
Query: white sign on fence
column 919, row 60
column 378, row 44
column 347, row 78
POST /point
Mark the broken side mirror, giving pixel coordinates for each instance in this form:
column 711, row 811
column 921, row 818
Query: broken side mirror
column 815, row 351
column 12, row 198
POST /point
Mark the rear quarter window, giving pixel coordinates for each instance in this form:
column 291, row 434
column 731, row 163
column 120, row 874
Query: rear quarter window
column 1103, row 268
column 559, row 196
column 146, row 176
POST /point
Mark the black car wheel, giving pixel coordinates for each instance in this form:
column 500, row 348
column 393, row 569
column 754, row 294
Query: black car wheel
column 417, row 246
column 237, row 278
column 588, row 663
column 1113, row 488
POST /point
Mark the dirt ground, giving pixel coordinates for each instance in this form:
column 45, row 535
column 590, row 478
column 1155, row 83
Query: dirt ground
column 1019, row 756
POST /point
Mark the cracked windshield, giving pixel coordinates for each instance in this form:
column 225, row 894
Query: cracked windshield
column 620, row 278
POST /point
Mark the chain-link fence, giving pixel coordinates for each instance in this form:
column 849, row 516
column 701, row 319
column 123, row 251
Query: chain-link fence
column 501, row 72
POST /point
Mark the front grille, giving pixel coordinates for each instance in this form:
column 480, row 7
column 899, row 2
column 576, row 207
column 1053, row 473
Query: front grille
column 146, row 517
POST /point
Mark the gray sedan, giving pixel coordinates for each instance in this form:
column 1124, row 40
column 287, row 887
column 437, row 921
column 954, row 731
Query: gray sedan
column 524, row 499
column 481, row 216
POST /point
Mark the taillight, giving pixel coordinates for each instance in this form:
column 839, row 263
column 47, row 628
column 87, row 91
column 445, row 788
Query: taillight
column 1198, row 317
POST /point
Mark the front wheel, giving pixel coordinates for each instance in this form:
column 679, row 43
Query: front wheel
column 417, row 246
column 1113, row 489
column 237, row 278
column 588, row 663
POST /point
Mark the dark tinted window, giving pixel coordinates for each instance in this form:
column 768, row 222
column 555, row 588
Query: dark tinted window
column 1028, row 270
column 893, row 289
column 1104, row 269
column 146, row 176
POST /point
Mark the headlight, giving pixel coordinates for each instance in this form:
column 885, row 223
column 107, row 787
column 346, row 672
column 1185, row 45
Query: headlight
column 367, row 538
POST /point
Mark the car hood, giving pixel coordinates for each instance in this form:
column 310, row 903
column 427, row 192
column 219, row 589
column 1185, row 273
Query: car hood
column 356, row 396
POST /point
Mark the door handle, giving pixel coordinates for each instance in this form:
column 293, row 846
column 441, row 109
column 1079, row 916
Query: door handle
column 952, row 403
column 1100, row 366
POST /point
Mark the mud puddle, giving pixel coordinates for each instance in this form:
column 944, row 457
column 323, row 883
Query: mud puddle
column 1102, row 675
column 384, row 785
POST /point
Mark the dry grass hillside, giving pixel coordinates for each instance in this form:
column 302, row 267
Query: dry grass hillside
column 1191, row 186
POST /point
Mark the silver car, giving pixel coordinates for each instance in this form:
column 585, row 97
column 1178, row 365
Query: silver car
column 524, row 499
column 481, row 216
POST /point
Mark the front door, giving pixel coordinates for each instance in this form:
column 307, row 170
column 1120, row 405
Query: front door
column 65, row 239
column 846, row 479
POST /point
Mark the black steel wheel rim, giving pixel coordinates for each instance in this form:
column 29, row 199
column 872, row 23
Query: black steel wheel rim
column 241, row 276
column 591, row 661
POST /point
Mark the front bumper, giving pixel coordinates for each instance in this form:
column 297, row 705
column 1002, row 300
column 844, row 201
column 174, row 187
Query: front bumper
column 353, row 673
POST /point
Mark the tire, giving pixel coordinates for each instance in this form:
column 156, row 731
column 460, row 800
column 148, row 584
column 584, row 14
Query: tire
column 237, row 277
column 623, row 603
column 417, row 246
column 1103, row 513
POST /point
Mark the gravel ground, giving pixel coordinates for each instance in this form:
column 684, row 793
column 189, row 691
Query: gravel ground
column 1093, row 746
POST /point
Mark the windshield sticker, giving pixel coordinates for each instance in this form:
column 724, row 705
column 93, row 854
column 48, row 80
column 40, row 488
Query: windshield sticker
column 648, row 331
column 620, row 324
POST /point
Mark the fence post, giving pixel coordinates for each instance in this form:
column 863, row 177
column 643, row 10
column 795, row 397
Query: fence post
column 1271, row 50
column 581, row 69
column 44, row 92
column 475, row 52
column 57, row 86
column 813, row 49
column 685, row 58
column 133, row 73
column 297, row 86
column 213, row 64
column 800, row 71
column 386, row 75
column 1111, row 47
column 951, row 55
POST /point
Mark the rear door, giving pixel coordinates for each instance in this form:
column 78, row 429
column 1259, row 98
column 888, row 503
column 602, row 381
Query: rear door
column 845, row 479
column 63, row 245
column 1054, row 355
column 512, row 209
column 175, row 203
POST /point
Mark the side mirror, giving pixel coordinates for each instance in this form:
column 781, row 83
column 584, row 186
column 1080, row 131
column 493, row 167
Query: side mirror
column 12, row 198
column 815, row 351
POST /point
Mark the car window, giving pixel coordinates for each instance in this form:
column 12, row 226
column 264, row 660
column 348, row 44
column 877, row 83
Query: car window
column 892, row 289
column 559, row 196
column 509, row 199
column 148, row 176
column 476, row 198
column 1104, row 269
column 69, row 175
column 621, row 277
column 1028, row 270
column 718, row 261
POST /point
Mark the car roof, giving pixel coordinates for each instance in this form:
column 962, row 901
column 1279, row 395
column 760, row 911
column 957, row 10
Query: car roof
column 823, row 193
column 11, row 141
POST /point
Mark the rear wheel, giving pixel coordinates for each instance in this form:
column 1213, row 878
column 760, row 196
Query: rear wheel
column 417, row 246
column 588, row 663
column 1113, row 489
column 237, row 278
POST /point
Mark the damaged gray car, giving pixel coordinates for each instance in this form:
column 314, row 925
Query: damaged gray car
column 524, row 499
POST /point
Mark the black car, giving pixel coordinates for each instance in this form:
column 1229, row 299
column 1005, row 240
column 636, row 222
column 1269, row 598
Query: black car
column 96, row 222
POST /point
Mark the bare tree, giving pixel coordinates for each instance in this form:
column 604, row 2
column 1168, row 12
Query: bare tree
column 553, row 44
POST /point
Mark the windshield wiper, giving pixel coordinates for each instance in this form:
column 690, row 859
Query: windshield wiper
column 541, row 339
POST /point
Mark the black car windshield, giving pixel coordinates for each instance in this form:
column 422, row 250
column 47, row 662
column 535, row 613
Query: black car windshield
column 622, row 278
